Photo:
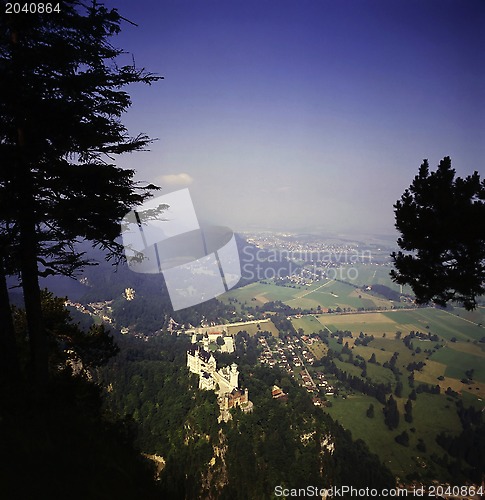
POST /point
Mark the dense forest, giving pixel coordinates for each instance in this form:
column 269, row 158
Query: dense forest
column 292, row 442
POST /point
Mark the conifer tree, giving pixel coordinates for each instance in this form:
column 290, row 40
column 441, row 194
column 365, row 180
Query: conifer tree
column 61, row 99
column 440, row 219
column 408, row 408
column 391, row 413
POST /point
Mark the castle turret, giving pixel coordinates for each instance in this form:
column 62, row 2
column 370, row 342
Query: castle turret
column 211, row 364
column 234, row 376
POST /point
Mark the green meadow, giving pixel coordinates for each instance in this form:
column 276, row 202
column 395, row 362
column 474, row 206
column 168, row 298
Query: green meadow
column 259, row 293
column 431, row 415
column 325, row 294
column 252, row 328
column 371, row 274
column 457, row 362
column 309, row 324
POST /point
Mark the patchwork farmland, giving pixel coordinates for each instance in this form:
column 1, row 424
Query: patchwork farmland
column 447, row 351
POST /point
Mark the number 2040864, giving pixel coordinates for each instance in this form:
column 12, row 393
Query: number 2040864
column 455, row 491
column 32, row 8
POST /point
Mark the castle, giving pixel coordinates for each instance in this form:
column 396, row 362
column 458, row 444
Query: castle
column 224, row 381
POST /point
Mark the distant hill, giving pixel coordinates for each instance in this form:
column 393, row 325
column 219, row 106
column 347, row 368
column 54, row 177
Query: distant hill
column 258, row 263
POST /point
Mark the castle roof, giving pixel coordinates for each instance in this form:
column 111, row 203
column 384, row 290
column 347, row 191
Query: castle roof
column 203, row 354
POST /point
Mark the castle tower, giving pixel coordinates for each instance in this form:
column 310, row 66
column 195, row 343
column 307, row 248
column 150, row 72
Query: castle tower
column 234, row 376
column 211, row 364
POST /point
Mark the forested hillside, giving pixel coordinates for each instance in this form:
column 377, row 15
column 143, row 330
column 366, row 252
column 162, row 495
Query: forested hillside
column 279, row 443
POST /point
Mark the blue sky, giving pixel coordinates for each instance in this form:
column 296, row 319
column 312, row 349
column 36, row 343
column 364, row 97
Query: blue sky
column 300, row 114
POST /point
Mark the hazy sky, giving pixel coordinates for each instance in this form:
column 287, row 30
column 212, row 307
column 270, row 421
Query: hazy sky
column 291, row 114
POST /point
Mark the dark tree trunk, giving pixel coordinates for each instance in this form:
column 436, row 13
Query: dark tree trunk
column 9, row 362
column 29, row 269
column 33, row 310
column 30, row 285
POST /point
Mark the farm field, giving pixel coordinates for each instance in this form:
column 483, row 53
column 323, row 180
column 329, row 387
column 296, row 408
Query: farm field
column 325, row 294
column 445, row 323
column 457, row 362
column 252, row 328
column 450, row 361
column 333, row 294
column 371, row 274
column 375, row 323
column 308, row 323
column 432, row 413
column 430, row 320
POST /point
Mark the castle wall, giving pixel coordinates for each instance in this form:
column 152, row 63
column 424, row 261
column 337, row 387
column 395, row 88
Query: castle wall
column 227, row 379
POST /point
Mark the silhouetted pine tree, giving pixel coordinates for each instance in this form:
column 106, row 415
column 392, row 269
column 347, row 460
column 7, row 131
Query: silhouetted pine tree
column 61, row 99
column 439, row 218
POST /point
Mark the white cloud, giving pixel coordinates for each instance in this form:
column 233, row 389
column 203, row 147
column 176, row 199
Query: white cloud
column 181, row 179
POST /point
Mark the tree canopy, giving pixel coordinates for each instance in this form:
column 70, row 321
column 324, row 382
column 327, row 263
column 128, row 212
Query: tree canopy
column 441, row 221
column 62, row 99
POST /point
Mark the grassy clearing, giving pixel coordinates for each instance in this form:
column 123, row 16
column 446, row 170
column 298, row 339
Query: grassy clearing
column 318, row 349
column 430, row 373
column 458, row 362
column 309, row 324
column 379, row 375
column 432, row 414
column 369, row 323
column 367, row 351
column 349, row 368
column 351, row 413
column 252, row 328
column 373, row 274
column 471, row 399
